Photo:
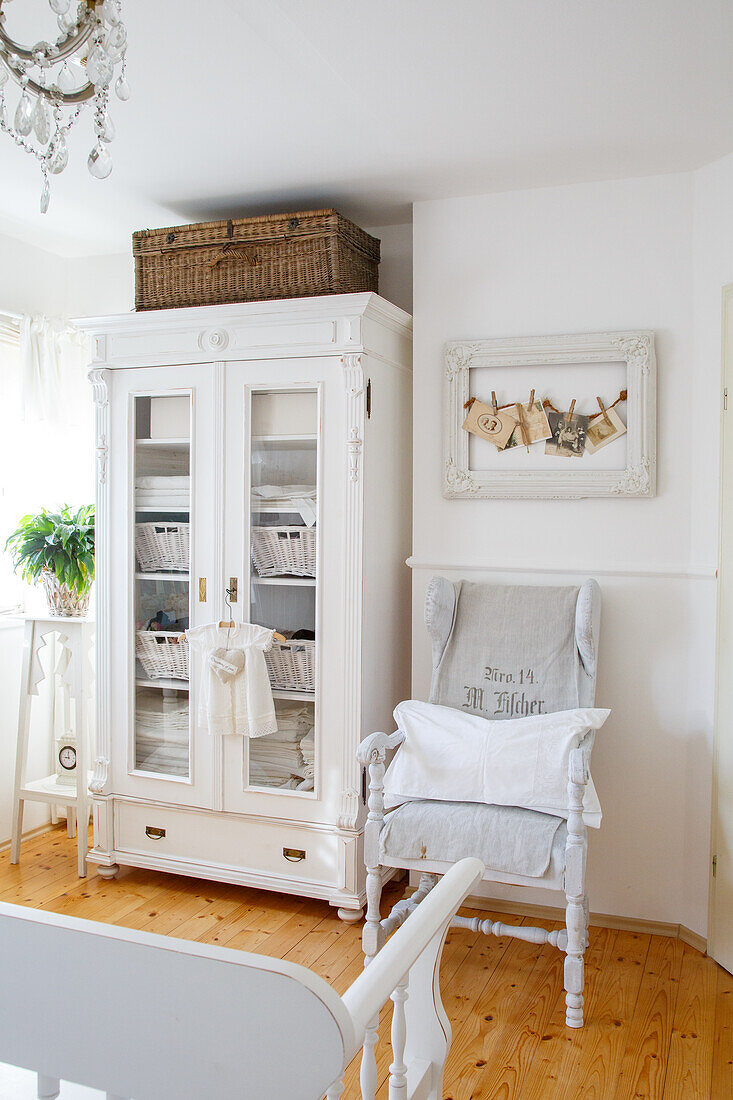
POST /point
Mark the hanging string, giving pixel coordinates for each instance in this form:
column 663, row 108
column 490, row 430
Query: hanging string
column 623, row 396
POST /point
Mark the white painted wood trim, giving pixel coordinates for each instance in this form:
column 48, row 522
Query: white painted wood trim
column 215, row 872
column 297, row 327
column 634, row 348
column 354, row 384
column 720, row 874
column 680, row 573
column 102, row 748
column 327, row 305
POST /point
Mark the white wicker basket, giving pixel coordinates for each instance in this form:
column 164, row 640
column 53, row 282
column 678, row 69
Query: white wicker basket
column 163, row 654
column 284, row 550
column 162, row 547
column 292, row 665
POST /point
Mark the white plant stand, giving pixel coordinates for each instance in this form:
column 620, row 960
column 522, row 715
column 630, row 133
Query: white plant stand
column 74, row 637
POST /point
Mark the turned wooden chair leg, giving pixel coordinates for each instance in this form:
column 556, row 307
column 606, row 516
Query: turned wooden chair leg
column 575, row 913
column 574, row 962
column 586, row 916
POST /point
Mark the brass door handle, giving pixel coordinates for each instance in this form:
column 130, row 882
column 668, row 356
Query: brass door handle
column 295, row 855
column 154, row 832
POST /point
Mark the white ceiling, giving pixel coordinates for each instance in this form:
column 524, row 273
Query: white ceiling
column 249, row 106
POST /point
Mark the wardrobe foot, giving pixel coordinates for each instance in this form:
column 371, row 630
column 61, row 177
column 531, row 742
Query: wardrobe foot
column 108, row 872
column 350, row 916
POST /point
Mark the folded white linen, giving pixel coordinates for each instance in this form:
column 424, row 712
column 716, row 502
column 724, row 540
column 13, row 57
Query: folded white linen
column 168, row 482
column 281, row 492
column 302, row 498
column 451, row 756
column 177, row 495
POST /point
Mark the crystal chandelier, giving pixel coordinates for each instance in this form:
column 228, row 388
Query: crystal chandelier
column 57, row 80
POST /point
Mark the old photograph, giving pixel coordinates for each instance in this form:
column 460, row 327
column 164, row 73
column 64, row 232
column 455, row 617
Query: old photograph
column 536, row 425
column 496, row 425
column 603, row 429
column 568, row 434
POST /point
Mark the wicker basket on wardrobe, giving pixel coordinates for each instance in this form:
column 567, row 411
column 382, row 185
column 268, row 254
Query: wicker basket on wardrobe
column 163, row 547
column 253, row 259
column 282, row 551
column 163, row 654
column 292, row 665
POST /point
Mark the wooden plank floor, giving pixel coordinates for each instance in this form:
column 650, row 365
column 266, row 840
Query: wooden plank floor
column 659, row 1014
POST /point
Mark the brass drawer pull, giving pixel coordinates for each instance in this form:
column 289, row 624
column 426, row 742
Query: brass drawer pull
column 154, row 833
column 295, row 855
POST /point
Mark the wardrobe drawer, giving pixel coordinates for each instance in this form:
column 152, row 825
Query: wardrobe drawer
column 227, row 841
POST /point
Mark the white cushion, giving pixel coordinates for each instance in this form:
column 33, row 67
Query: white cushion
column 506, row 839
column 456, row 757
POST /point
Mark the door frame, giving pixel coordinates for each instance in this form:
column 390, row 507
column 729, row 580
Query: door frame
column 724, row 619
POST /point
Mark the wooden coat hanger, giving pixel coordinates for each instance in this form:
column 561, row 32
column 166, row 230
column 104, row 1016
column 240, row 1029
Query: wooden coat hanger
column 229, row 623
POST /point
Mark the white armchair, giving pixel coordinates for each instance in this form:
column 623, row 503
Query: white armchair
column 500, row 652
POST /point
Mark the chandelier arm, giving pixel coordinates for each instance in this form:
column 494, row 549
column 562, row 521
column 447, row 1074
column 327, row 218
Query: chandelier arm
column 97, row 38
column 53, row 93
column 70, row 46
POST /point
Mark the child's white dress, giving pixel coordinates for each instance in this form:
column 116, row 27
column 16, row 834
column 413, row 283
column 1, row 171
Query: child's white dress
column 235, row 696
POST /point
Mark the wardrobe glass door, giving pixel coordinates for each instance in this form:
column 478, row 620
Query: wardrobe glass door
column 283, row 590
column 162, row 584
column 162, row 573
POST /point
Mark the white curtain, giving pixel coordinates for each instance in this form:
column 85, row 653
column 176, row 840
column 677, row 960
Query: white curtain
column 46, row 428
column 54, row 357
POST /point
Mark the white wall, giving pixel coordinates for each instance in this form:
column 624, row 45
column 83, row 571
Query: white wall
column 395, row 268
column 99, row 285
column 31, row 280
column 628, row 254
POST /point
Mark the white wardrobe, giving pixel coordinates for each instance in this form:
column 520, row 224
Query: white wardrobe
column 261, row 449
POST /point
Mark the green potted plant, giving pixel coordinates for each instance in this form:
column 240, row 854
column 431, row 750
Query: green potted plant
column 57, row 548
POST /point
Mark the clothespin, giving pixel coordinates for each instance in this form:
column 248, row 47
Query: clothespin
column 572, row 408
column 468, row 403
column 606, row 417
column 493, row 402
column 531, row 401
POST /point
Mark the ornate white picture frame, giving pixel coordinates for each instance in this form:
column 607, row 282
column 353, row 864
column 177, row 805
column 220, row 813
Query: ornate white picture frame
column 633, row 349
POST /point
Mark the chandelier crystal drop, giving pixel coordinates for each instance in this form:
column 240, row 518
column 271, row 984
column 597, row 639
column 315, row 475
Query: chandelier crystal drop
column 58, row 80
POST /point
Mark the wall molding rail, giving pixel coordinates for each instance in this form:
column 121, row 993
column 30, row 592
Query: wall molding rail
column 670, row 573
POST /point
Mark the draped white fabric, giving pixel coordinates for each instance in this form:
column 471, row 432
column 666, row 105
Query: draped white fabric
column 54, row 356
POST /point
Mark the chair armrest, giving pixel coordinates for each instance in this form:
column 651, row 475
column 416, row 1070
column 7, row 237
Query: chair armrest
column 373, row 987
column 579, row 765
column 374, row 748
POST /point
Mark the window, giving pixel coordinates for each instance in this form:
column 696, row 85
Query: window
column 46, row 436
